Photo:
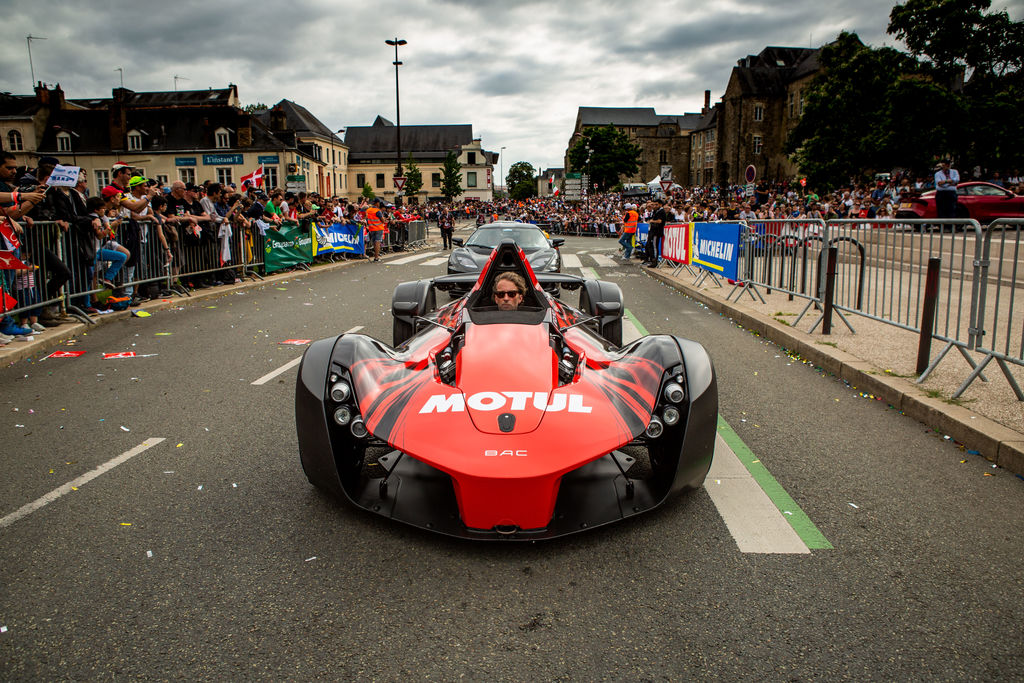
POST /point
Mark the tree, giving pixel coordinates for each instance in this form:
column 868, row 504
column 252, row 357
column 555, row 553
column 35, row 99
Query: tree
column 868, row 109
column 521, row 181
column 368, row 191
column 451, row 177
column 413, row 178
column 253, row 108
column 610, row 155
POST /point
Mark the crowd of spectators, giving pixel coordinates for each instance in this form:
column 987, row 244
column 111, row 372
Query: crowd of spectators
column 138, row 237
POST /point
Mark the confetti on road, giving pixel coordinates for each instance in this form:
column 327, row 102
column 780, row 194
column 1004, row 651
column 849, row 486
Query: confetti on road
column 149, row 553
column 296, row 342
column 854, row 506
column 163, row 334
column 126, row 523
column 125, row 429
column 310, row 559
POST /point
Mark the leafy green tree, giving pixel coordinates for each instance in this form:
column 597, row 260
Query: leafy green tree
column 368, row 191
column 521, row 181
column 451, row 177
column 610, row 156
column 253, row 108
column 413, row 178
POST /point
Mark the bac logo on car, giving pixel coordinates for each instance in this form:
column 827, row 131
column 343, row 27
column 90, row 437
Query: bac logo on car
column 506, row 400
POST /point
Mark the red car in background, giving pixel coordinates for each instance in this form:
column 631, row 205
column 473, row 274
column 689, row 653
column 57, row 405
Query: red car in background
column 984, row 202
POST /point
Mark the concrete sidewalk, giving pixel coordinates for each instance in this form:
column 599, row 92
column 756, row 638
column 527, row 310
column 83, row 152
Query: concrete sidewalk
column 879, row 361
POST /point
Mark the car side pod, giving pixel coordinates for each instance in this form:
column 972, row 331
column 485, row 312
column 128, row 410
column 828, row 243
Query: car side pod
column 701, row 425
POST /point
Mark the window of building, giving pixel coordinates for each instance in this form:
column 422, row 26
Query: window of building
column 14, row 142
column 269, row 177
column 224, row 176
column 187, row 175
column 221, row 138
column 792, row 105
column 63, row 142
column 801, row 103
column 332, row 156
column 471, row 157
column 471, row 179
column 435, row 180
column 758, row 112
column 711, row 136
column 757, row 144
column 380, row 180
column 102, row 177
column 161, row 178
column 134, row 141
column 662, row 157
column 360, row 180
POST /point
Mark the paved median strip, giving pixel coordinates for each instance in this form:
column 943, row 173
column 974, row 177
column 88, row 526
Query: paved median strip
column 760, row 515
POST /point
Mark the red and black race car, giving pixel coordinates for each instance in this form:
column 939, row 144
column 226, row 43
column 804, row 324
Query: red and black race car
column 490, row 424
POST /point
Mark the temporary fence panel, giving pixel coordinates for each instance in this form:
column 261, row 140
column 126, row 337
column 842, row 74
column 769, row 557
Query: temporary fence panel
column 999, row 299
column 33, row 273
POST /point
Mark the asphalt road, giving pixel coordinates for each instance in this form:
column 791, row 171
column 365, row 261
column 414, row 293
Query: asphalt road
column 209, row 556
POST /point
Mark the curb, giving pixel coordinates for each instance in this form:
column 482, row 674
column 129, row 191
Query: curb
column 995, row 442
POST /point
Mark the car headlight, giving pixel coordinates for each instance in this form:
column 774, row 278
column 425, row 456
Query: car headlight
column 343, row 415
column 462, row 262
column 544, row 261
column 340, row 392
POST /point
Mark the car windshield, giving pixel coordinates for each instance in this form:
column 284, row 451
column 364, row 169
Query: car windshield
column 525, row 237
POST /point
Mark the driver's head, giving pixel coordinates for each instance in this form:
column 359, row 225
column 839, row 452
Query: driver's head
column 508, row 291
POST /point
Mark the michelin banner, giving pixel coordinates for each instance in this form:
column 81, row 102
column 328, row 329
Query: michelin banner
column 338, row 238
column 288, row 245
column 716, row 248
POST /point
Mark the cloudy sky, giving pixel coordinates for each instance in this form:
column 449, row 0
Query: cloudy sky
column 517, row 70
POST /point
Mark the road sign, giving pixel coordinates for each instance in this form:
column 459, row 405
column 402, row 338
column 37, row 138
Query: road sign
column 399, row 182
column 749, row 190
column 750, row 173
column 665, row 184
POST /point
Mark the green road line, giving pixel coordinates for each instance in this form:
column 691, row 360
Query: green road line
column 632, row 318
column 797, row 518
column 589, row 272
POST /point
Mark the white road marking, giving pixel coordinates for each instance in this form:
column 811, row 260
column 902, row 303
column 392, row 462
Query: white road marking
column 630, row 333
column 755, row 523
column 602, row 260
column 435, row 261
column 26, row 510
column 571, row 261
column 291, row 364
column 410, row 259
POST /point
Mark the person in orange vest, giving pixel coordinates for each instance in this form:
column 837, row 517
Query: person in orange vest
column 376, row 225
column 629, row 221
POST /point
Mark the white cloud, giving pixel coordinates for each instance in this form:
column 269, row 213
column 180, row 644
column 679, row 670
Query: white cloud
column 515, row 70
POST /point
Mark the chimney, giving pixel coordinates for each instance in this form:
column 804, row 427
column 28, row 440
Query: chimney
column 118, row 119
column 42, row 94
column 707, row 103
column 278, row 121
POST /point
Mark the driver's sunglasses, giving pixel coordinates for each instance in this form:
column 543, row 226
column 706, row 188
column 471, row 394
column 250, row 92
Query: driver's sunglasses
column 506, row 294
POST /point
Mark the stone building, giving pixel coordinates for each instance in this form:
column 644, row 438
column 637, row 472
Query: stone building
column 188, row 135
column 704, row 144
column 372, row 159
column 663, row 140
column 762, row 103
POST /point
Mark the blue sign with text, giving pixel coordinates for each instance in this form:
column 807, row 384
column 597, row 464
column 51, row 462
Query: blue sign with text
column 716, row 248
column 268, row 159
column 337, row 238
column 184, row 161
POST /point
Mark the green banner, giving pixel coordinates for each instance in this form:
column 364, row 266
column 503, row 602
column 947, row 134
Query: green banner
column 289, row 245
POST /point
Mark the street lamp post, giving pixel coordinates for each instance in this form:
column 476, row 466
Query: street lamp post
column 501, row 166
column 398, row 116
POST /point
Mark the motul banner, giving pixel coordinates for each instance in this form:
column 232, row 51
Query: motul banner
column 288, row 245
column 675, row 245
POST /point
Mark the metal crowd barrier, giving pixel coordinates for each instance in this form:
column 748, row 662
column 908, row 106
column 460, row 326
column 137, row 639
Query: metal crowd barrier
column 999, row 297
column 881, row 268
column 40, row 285
column 417, row 233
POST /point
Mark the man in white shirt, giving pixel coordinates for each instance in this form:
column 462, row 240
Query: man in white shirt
column 946, row 180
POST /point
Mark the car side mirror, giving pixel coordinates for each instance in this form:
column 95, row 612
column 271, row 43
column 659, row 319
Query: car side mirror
column 457, row 241
column 405, row 307
column 557, row 242
column 608, row 307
